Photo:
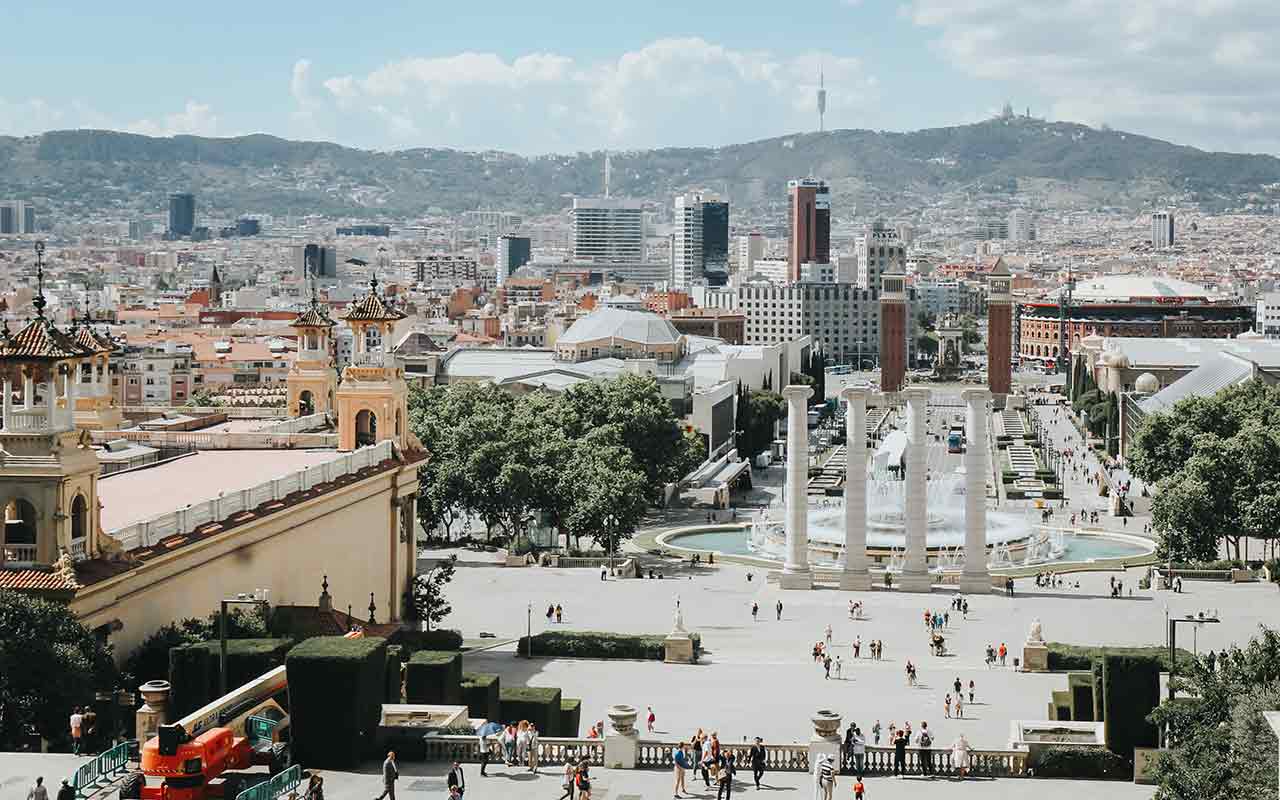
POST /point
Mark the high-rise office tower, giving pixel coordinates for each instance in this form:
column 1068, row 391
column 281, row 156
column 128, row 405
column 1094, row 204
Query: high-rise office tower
column 999, row 330
column 810, row 225
column 686, row 241
column 513, row 253
column 1162, row 229
column 1022, row 226
column 750, row 247
column 8, row 219
column 315, row 261
column 17, row 217
column 608, row 230
column 879, row 248
column 893, row 329
column 182, row 214
column 715, row 241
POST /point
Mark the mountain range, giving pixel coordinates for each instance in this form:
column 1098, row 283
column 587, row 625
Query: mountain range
column 87, row 174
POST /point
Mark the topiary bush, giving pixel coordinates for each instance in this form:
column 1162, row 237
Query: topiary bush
column 434, row 677
column 480, row 693
column 413, row 641
column 570, row 716
column 394, row 687
column 1130, row 690
column 539, row 705
column 1067, row 761
column 1080, row 658
column 336, row 686
column 1080, row 685
column 194, row 669
column 594, row 644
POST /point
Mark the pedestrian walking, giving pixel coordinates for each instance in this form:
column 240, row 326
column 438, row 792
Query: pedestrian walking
column 650, row 719
column 946, row 707
column 66, row 791
column 456, row 781
column 828, row 637
column 724, row 785
column 875, row 733
column 559, row 613
column 755, row 611
column 315, row 787
column 1004, row 651
column 960, row 752
column 839, row 669
column 824, row 774
column 38, row 792
column 390, row 774
column 858, row 789
column 681, row 761
column 779, row 610
column 971, row 688
column 583, row 780
column 826, row 667
column 551, row 612
column 567, row 782
column 485, row 754
column 533, row 748
column 960, row 706
column 77, row 729
column 857, row 646
column 758, row 758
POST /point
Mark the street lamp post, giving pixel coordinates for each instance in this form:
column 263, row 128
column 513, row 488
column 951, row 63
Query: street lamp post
column 528, row 651
column 1195, row 619
column 259, row 598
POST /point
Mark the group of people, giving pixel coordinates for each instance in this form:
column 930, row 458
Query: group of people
column 1117, row 587
column 704, row 754
column 555, row 612
column 958, row 703
column 518, row 743
column 993, row 652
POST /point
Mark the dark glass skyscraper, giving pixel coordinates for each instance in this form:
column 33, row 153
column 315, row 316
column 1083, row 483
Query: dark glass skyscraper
column 182, row 214
column 715, row 238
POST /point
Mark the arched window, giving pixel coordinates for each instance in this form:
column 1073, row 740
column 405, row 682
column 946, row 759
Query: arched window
column 372, row 339
column 20, row 532
column 79, row 518
column 306, row 403
column 366, row 428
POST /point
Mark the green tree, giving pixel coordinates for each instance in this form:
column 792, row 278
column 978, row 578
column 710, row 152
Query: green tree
column 1221, row 747
column 424, row 599
column 608, row 489
column 49, row 663
column 764, row 411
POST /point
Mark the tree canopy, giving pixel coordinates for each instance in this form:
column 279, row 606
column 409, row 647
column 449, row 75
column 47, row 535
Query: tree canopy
column 588, row 461
column 1215, row 462
column 49, row 663
column 1221, row 746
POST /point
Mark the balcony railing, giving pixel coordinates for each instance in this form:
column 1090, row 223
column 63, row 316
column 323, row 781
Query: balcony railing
column 78, row 550
column 367, row 359
column 22, row 420
column 17, row 554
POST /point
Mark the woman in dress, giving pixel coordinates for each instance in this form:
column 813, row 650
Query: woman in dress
column 960, row 750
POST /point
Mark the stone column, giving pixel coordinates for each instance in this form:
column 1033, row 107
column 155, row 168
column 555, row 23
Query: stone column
column 28, row 389
column 622, row 744
column 975, row 577
column 154, row 710
column 856, row 576
column 8, row 402
column 73, row 383
column 795, row 571
column 915, row 575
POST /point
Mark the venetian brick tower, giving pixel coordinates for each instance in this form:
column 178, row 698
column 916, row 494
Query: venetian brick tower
column 893, row 329
column 999, row 332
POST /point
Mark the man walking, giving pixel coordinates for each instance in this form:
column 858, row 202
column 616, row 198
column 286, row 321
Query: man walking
column 457, row 782
column 38, row 792
column 66, row 791
column 779, row 610
column 757, row 761
column 755, row 611
column 389, row 777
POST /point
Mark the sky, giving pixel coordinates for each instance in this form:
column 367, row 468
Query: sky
column 570, row 75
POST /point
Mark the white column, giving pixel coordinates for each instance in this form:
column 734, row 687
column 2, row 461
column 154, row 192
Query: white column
column 915, row 575
column 8, row 403
column 73, row 386
column 856, row 575
column 28, row 391
column 795, row 571
column 975, row 577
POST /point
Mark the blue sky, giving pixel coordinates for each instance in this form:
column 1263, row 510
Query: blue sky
column 566, row 75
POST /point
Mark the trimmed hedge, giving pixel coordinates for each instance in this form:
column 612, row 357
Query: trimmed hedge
column 1068, row 761
column 413, row 641
column 595, row 644
column 434, row 677
column 1080, row 658
column 480, row 693
column 1130, row 690
column 194, row 669
column 394, row 687
column 1099, row 708
column 570, row 716
column 1080, row 685
column 336, row 686
column 539, row 705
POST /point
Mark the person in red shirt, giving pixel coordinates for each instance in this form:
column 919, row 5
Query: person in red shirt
column 858, row 789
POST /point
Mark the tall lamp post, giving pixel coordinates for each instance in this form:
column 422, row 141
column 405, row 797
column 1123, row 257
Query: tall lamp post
column 1195, row 619
column 258, row 598
column 528, row 626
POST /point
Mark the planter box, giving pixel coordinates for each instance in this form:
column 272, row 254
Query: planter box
column 1242, row 576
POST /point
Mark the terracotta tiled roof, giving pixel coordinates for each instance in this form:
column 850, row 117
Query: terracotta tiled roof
column 89, row 340
column 314, row 315
column 41, row 340
column 34, row 580
column 372, row 308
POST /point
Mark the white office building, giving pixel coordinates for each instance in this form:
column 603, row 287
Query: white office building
column 1022, row 226
column 749, row 248
column 1269, row 315
column 1162, row 230
column 608, row 230
column 686, row 241
column 879, row 247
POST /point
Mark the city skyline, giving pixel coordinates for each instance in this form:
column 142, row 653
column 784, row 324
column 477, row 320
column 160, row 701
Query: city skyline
column 631, row 78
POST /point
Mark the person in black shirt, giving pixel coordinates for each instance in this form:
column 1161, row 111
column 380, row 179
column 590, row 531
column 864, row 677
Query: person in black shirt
column 900, row 754
column 757, row 761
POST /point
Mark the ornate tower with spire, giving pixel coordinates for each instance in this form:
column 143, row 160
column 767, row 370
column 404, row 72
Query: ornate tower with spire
column 95, row 407
column 313, row 381
column 822, row 102
column 373, row 398
column 48, row 474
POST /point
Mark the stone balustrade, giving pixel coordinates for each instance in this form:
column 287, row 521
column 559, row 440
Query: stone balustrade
column 551, row 749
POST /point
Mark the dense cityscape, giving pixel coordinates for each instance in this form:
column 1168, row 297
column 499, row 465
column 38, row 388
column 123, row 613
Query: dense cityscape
column 342, row 470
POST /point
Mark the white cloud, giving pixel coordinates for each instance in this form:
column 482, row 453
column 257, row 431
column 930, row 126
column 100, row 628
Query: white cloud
column 195, row 118
column 678, row 91
column 1193, row 71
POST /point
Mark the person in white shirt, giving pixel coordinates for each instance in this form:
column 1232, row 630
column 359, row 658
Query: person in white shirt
column 77, row 729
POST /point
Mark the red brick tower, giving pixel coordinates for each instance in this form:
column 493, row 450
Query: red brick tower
column 893, row 329
column 999, row 331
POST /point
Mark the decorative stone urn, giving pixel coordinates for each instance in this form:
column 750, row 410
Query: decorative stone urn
column 623, row 719
column 826, row 736
column 154, row 711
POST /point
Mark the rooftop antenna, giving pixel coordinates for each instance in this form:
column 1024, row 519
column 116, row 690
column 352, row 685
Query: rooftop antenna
column 608, row 168
column 822, row 101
